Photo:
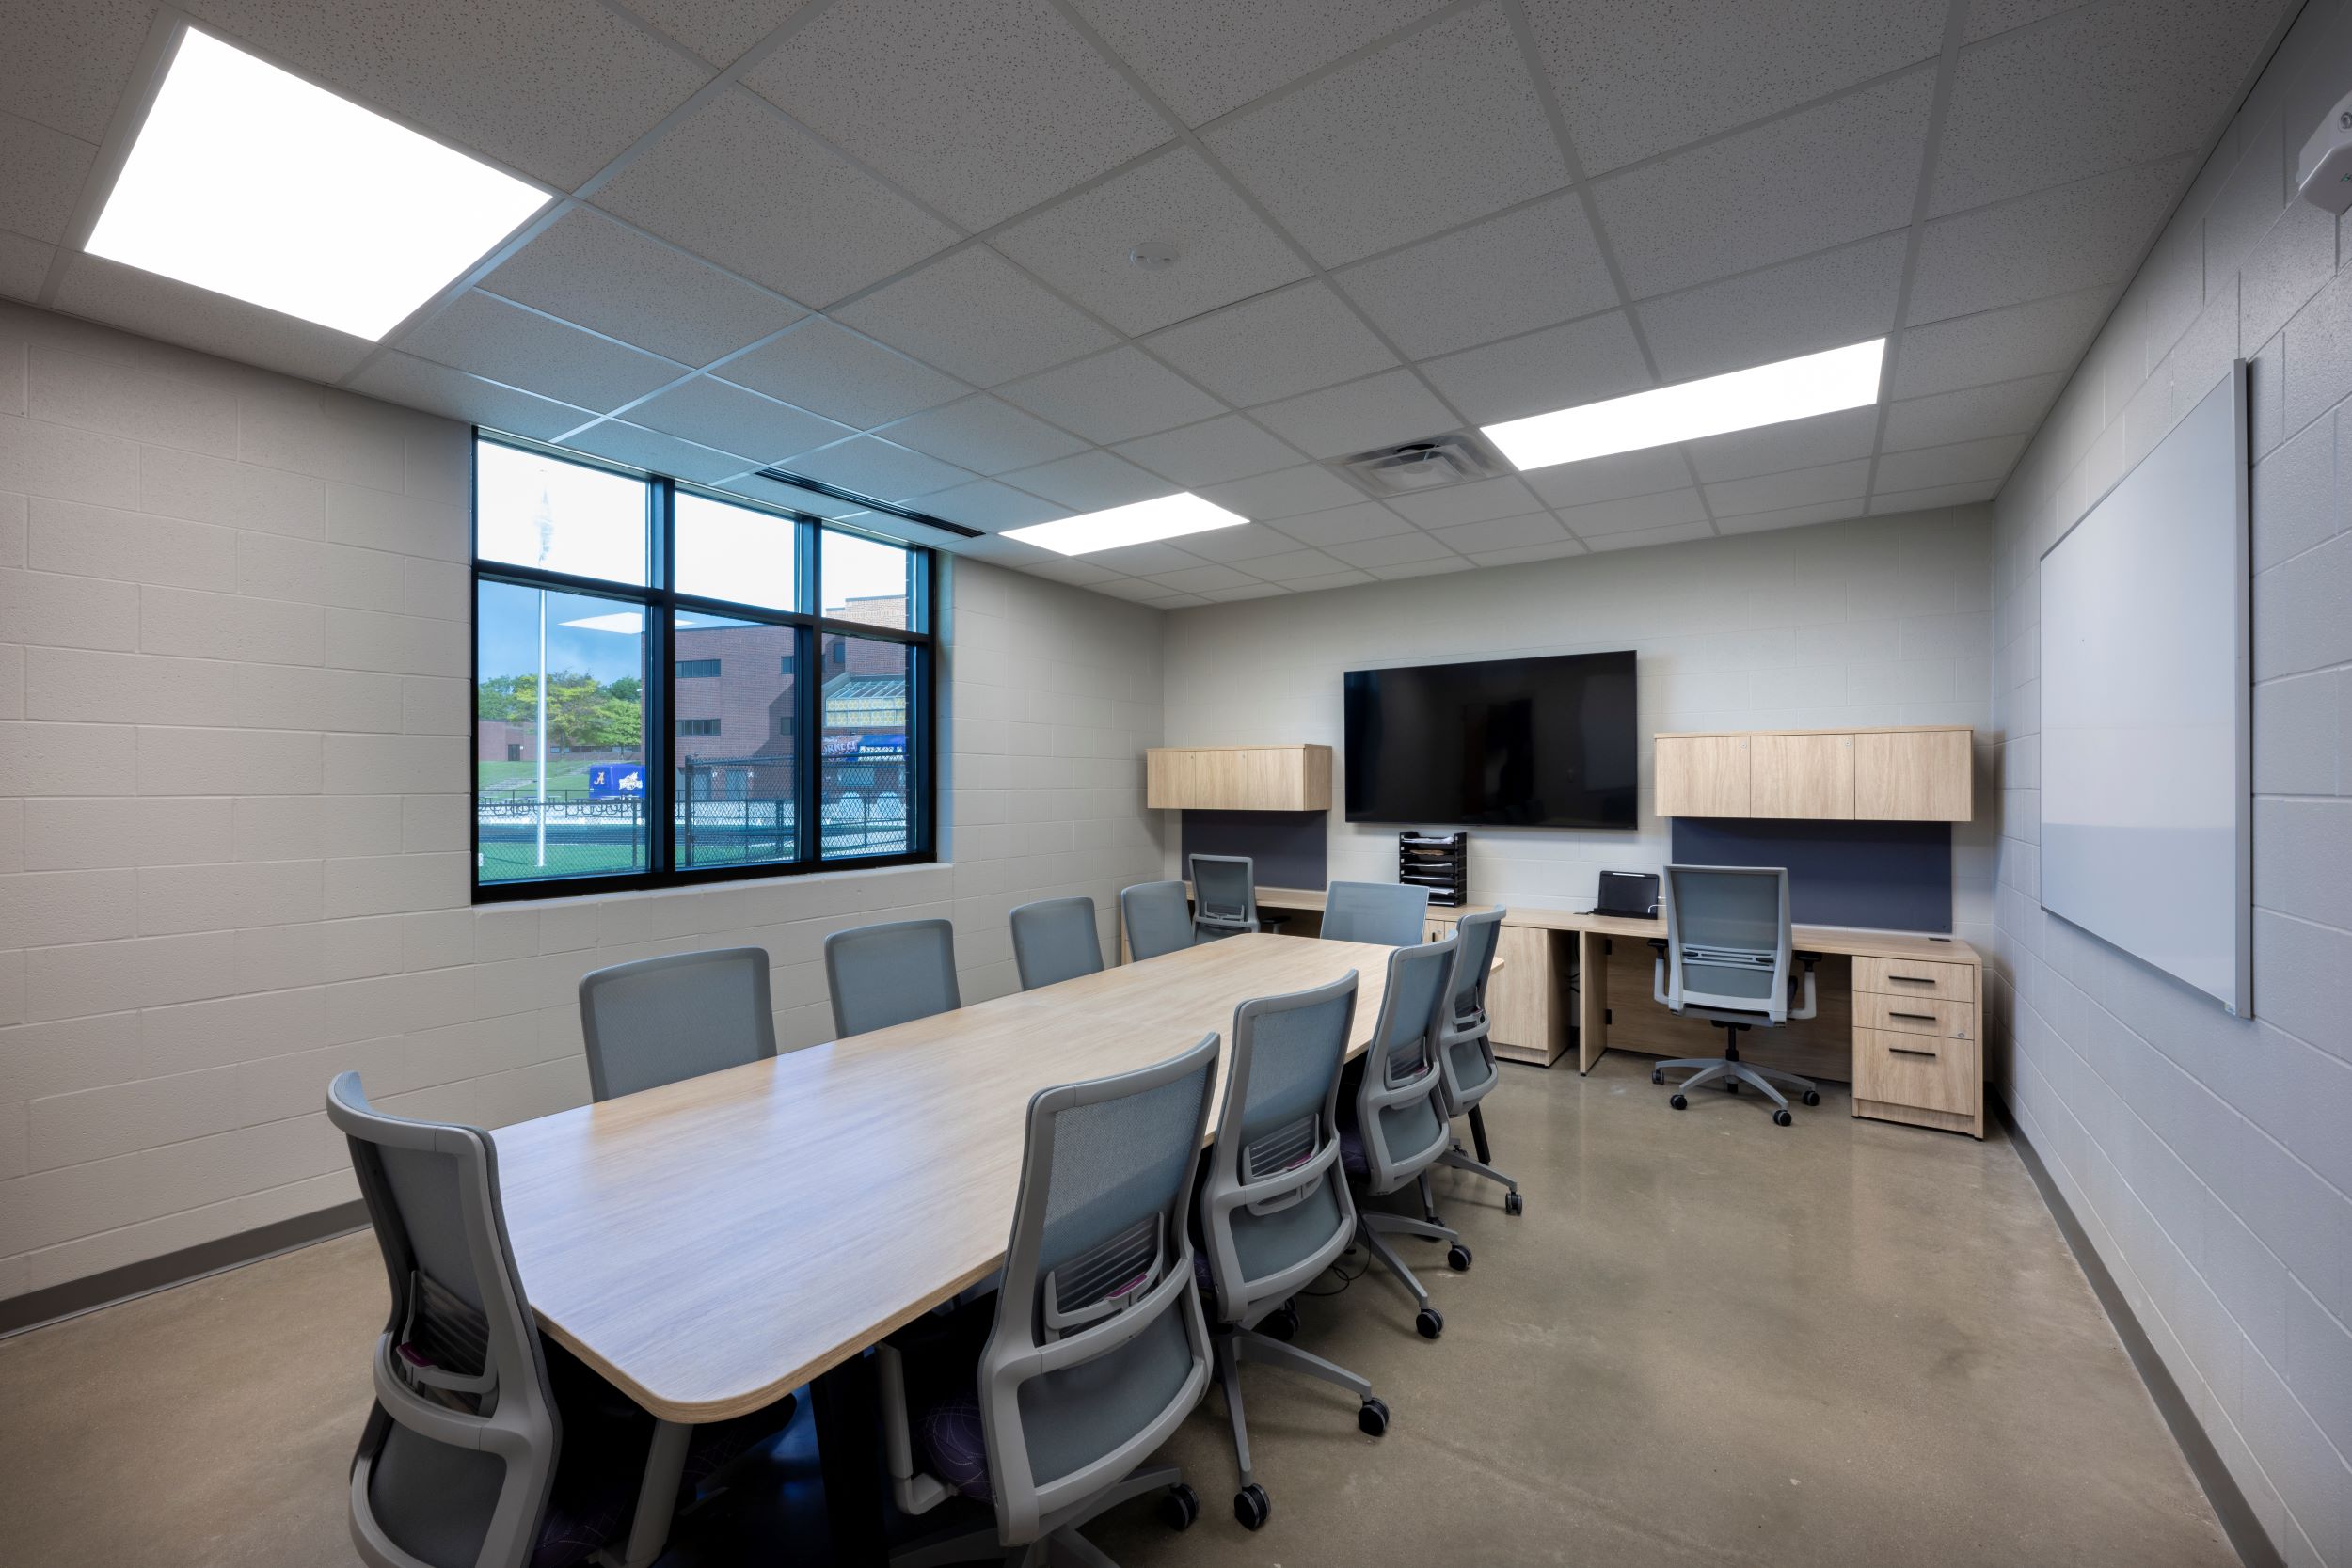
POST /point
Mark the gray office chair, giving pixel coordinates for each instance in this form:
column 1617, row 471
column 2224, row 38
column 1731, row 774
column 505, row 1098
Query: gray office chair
column 1393, row 1129
column 658, row 1021
column 1158, row 919
column 1466, row 1060
column 1275, row 1209
column 1395, row 914
column 1055, row 939
column 1095, row 1351
column 1224, row 895
column 486, row 1447
column 1725, row 959
column 895, row 973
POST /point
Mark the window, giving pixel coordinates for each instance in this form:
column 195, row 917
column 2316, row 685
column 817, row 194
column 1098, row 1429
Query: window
column 640, row 715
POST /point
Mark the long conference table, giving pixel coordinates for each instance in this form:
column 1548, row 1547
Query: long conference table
column 712, row 1246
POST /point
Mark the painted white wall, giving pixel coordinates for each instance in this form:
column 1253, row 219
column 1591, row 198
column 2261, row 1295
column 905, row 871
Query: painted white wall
column 1874, row 621
column 234, row 765
column 2211, row 1159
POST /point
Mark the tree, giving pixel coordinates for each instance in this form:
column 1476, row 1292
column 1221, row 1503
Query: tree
column 583, row 714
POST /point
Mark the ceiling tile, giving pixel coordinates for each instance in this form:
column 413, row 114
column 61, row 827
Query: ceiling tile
column 1133, row 587
column 2106, row 86
column 437, row 389
column 1223, row 250
column 1344, row 525
column 24, row 265
column 975, row 315
column 1009, row 552
column 817, row 228
column 2047, row 336
column 982, row 111
column 1642, row 538
column 1284, row 494
column 1793, row 517
column 1886, row 502
column 608, row 278
column 1503, row 497
column 1442, row 127
column 1798, row 488
column 1612, row 478
column 763, row 489
column 2050, row 243
column 1511, row 274
column 1245, row 545
column 1827, row 301
column 1837, row 172
column 1794, row 444
column 1295, row 565
column 1275, row 346
column 984, row 434
column 1561, row 367
column 1638, row 77
column 1077, row 574
column 1255, row 591
column 1396, row 571
column 1145, row 559
column 1348, row 577
column 1114, row 396
column 1395, row 550
column 1962, row 463
column 1091, row 481
column 41, row 172
column 66, row 66
column 2005, row 408
column 828, row 370
column 718, row 30
column 1667, row 509
column 1988, row 17
column 1202, row 580
column 1210, row 453
column 873, row 466
column 1388, row 407
column 720, row 415
column 555, row 89
column 652, row 451
column 1206, row 57
column 985, row 503
column 486, row 335
column 1503, row 534
column 176, row 312
column 1521, row 554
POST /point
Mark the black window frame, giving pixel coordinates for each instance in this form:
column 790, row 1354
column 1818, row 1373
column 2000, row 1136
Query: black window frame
column 661, row 602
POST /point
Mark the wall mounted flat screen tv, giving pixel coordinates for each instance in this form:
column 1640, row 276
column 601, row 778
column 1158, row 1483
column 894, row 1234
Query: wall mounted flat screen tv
column 1507, row 742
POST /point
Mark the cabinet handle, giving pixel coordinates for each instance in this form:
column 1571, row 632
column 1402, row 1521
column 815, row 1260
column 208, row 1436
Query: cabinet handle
column 1909, row 1051
column 1923, row 1017
column 1913, row 979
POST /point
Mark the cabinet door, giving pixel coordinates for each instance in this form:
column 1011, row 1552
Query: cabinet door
column 1800, row 775
column 1702, row 775
column 1914, row 776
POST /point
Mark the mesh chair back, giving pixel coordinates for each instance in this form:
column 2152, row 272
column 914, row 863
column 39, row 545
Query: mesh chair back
column 1275, row 1210
column 1400, row 1110
column 1156, row 919
column 1224, row 894
column 1394, row 914
column 1099, row 1350
column 1727, row 938
column 458, row 1455
column 658, row 1021
column 891, row 974
column 1055, row 939
column 1468, row 1056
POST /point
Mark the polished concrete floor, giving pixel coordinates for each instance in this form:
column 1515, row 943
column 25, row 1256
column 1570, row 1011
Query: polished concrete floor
column 1708, row 1340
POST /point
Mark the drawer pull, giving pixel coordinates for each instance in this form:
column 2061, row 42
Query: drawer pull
column 1913, row 979
column 1923, row 1017
column 1909, row 1051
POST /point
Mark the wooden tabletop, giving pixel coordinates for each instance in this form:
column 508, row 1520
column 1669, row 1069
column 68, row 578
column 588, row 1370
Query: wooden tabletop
column 710, row 1246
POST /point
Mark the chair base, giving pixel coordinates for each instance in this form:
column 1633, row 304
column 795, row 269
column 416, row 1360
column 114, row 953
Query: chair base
column 1710, row 1069
column 1062, row 1545
column 1372, row 1226
column 1237, row 1345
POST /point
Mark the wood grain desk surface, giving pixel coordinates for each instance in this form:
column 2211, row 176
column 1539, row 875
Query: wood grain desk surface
column 710, row 1246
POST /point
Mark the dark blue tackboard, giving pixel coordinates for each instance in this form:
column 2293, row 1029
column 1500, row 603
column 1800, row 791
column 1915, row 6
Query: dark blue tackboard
column 1289, row 847
column 1888, row 876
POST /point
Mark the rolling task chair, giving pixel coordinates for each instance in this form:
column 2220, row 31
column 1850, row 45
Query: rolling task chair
column 1466, row 1058
column 658, row 1021
column 1055, row 939
column 1095, row 1351
column 1274, row 1211
column 1157, row 918
column 1725, row 959
column 1394, row 914
column 890, row 973
column 1224, row 895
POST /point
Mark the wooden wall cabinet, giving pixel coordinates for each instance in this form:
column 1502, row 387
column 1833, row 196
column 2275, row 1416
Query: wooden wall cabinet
column 1238, row 777
column 1914, row 775
column 1919, row 775
column 1703, row 775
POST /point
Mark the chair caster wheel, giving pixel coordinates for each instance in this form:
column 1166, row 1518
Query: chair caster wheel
column 1180, row 1507
column 1373, row 1419
column 1731, row 1085
column 1511, row 1204
column 1782, row 1118
column 1431, row 1322
column 1811, row 1098
column 1251, row 1507
column 1281, row 1323
column 1677, row 1101
column 1656, row 1076
column 1458, row 1258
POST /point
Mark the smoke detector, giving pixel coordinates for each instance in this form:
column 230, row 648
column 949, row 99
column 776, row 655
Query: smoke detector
column 1153, row 256
column 1429, row 463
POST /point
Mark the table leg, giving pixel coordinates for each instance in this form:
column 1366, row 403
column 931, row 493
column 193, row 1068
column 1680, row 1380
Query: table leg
column 849, row 1447
column 1592, row 1027
column 657, row 1497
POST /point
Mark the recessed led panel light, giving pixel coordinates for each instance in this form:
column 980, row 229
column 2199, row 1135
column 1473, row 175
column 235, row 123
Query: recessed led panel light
column 251, row 183
column 1768, row 394
column 1163, row 517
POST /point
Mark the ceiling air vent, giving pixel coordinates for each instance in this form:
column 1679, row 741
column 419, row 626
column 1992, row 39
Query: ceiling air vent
column 1453, row 458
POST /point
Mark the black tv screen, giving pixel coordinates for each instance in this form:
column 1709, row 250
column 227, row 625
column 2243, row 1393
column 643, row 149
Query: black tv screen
column 1509, row 742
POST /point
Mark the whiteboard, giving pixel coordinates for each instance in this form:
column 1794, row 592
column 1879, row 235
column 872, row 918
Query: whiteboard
column 2146, row 772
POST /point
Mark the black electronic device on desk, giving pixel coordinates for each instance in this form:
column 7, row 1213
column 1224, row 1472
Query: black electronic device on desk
column 1631, row 894
column 1439, row 861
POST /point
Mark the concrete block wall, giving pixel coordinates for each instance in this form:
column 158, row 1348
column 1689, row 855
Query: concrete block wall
column 234, row 775
column 1872, row 621
column 2211, row 1158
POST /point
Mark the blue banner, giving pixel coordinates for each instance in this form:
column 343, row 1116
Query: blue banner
column 616, row 780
